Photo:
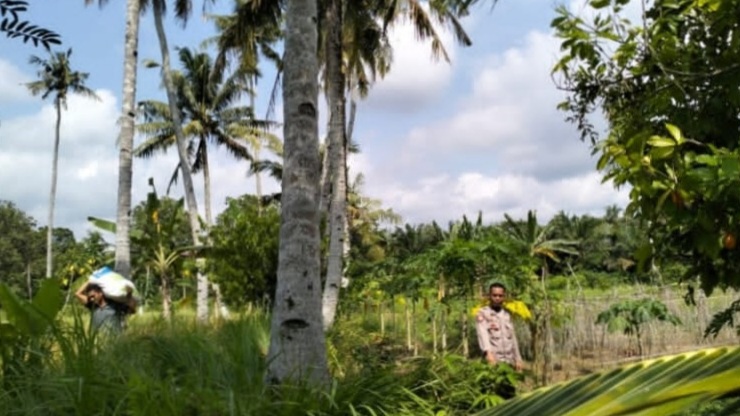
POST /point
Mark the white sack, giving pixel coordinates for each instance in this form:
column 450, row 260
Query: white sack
column 114, row 285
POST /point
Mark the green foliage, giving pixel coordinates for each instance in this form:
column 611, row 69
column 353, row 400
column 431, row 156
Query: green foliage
column 630, row 316
column 721, row 407
column 243, row 256
column 14, row 27
column 80, row 260
column 22, row 249
column 662, row 386
column 666, row 86
column 722, row 319
column 456, row 385
column 24, row 330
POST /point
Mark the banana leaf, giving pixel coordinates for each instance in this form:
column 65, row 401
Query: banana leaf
column 657, row 387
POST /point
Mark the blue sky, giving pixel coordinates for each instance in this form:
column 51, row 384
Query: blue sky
column 438, row 140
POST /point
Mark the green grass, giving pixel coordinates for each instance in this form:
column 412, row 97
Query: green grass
column 180, row 368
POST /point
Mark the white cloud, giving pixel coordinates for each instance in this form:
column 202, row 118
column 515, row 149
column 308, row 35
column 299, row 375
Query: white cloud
column 444, row 197
column 510, row 117
column 415, row 79
column 11, row 84
column 88, row 165
column 505, row 149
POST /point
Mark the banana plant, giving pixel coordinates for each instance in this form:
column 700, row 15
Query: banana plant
column 657, row 387
column 25, row 324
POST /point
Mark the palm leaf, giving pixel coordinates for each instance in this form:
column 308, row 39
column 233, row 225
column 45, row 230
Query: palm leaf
column 656, row 387
column 103, row 224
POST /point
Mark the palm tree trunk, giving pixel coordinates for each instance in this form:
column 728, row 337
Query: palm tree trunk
column 166, row 298
column 352, row 115
column 126, row 139
column 221, row 308
column 325, row 181
column 257, row 145
column 337, row 155
column 206, row 183
column 297, row 343
column 187, row 179
column 53, row 192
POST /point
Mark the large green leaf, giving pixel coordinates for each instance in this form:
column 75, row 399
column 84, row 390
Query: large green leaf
column 102, row 224
column 49, row 300
column 15, row 311
column 656, row 387
column 32, row 318
column 110, row 226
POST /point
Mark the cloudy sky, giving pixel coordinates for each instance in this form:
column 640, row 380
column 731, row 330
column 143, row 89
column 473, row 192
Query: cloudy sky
column 438, row 140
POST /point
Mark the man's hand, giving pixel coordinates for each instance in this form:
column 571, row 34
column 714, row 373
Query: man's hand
column 81, row 293
column 490, row 357
column 518, row 365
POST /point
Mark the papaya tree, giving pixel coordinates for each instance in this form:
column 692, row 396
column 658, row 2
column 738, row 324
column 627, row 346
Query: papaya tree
column 630, row 316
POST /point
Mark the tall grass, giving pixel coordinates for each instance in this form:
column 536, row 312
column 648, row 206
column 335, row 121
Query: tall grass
column 180, row 368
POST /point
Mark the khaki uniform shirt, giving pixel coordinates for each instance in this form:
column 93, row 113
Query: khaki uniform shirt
column 496, row 333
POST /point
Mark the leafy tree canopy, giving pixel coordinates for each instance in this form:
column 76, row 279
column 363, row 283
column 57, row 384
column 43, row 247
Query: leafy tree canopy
column 667, row 87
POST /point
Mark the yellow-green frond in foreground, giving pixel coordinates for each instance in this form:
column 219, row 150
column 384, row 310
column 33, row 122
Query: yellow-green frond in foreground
column 658, row 387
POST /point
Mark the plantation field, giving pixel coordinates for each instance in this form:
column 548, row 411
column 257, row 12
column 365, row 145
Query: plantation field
column 579, row 345
column 384, row 360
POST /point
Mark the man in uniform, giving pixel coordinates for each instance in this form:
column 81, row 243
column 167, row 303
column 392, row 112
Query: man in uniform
column 495, row 330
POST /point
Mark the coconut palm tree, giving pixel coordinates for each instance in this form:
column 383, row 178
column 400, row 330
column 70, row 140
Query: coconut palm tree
column 207, row 101
column 250, row 34
column 337, row 84
column 134, row 8
column 297, row 344
column 183, row 9
column 57, row 79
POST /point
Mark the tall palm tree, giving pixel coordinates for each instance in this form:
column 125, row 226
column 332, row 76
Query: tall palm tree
column 56, row 78
column 297, row 344
column 249, row 34
column 207, row 101
column 336, row 154
column 134, row 8
column 336, row 66
column 183, row 9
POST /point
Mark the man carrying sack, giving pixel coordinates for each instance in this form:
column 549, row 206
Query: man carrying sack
column 110, row 298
